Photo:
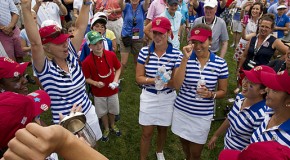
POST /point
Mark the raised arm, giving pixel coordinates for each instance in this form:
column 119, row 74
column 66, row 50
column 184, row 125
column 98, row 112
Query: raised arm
column 223, row 3
column 121, row 4
column 147, row 29
column 62, row 8
column 38, row 55
column 81, row 25
column 146, row 5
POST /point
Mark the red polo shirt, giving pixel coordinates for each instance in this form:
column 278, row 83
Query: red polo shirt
column 93, row 66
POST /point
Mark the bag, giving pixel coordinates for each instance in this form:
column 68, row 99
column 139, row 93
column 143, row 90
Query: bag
column 127, row 41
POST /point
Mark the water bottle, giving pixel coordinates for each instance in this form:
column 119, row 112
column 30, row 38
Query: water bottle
column 201, row 83
column 161, row 81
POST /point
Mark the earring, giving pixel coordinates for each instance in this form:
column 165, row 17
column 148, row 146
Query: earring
column 2, row 90
column 288, row 105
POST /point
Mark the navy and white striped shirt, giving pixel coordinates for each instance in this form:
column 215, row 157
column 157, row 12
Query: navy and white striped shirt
column 243, row 123
column 6, row 8
column 171, row 59
column 64, row 88
column 216, row 68
column 279, row 133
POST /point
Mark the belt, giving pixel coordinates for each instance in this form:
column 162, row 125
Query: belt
column 114, row 19
column 154, row 91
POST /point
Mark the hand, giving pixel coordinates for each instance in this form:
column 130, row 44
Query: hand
column 7, row 30
column 36, row 142
column 74, row 109
column 211, row 143
column 114, row 85
column 99, row 84
column 58, row 2
column 203, row 92
column 187, row 50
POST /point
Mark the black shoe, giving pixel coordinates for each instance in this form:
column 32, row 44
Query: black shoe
column 29, row 79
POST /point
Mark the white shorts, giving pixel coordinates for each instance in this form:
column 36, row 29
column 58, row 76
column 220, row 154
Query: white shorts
column 93, row 122
column 116, row 27
column 105, row 105
column 193, row 129
column 156, row 109
column 237, row 26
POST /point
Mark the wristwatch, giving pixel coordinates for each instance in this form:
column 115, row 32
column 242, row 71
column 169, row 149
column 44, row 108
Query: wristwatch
column 87, row 3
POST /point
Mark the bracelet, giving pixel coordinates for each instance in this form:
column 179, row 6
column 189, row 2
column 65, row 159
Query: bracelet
column 214, row 95
column 87, row 3
column 146, row 79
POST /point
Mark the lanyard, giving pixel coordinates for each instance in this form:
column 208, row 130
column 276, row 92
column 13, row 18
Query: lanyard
column 256, row 50
column 277, row 22
column 214, row 22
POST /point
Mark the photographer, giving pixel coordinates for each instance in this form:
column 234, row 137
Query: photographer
column 260, row 49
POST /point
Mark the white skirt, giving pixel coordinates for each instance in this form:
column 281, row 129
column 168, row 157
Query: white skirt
column 156, row 109
column 193, row 129
column 93, row 122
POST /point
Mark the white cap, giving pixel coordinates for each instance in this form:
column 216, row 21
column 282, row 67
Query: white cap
column 50, row 22
column 99, row 16
column 281, row 6
column 210, row 3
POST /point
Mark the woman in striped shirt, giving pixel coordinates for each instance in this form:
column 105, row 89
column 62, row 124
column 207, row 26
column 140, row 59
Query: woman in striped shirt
column 55, row 63
column 247, row 113
column 276, row 125
column 193, row 108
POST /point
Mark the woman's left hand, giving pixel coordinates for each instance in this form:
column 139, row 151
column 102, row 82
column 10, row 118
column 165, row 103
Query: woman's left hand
column 203, row 92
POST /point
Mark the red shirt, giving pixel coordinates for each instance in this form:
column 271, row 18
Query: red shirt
column 94, row 66
column 109, row 4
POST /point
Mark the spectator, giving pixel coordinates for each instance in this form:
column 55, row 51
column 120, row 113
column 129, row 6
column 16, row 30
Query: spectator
column 49, row 10
column 247, row 113
column 273, row 8
column 17, row 110
column 102, row 70
column 156, row 8
column 52, row 139
column 9, row 32
column 114, row 14
column 153, row 102
column 132, row 30
column 199, row 5
column 260, row 48
column 59, row 72
column 99, row 25
column 191, row 120
column 276, row 123
column 236, row 23
column 282, row 22
column 220, row 33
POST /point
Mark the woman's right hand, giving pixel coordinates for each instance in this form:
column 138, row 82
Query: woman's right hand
column 211, row 143
column 187, row 50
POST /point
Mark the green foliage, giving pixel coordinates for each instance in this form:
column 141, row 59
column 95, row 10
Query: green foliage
column 127, row 146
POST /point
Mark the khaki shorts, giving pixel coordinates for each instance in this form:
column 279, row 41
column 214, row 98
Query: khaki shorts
column 134, row 49
column 105, row 105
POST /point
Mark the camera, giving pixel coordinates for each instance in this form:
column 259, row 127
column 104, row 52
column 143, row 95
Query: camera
column 251, row 64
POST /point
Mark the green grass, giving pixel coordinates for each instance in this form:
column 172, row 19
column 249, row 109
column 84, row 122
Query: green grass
column 127, row 147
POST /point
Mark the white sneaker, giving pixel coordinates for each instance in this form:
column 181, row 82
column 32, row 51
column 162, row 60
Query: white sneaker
column 160, row 156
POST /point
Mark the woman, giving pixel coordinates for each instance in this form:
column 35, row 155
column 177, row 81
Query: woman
column 247, row 113
column 60, row 74
column 261, row 48
column 175, row 18
column 132, row 30
column 249, row 27
column 193, row 109
column 282, row 22
column 159, row 55
column 276, row 123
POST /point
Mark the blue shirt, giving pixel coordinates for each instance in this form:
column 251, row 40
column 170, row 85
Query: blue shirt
column 281, row 22
column 107, row 43
column 64, row 89
column 243, row 123
column 271, row 3
column 171, row 59
column 184, row 11
column 175, row 22
column 279, row 133
column 128, row 14
column 216, row 68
